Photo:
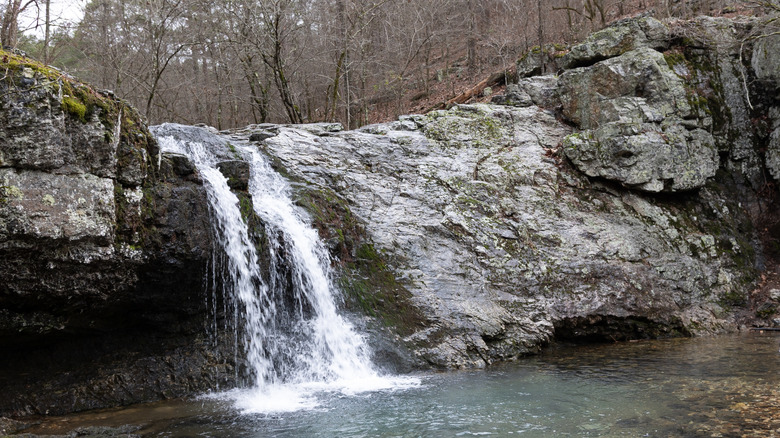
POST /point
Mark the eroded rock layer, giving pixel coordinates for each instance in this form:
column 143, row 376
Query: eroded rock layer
column 103, row 247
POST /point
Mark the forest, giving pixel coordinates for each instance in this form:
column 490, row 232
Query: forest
column 230, row 63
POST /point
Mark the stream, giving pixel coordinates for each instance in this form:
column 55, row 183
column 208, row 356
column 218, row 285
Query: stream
column 714, row 386
column 305, row 371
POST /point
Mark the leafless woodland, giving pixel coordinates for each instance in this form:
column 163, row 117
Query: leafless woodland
column 229, row 63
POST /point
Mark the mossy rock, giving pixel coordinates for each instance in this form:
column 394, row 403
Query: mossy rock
column 126, row 139
column 363, row 274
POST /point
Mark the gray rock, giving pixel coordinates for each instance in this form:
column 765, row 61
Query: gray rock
column 639, row 127
column 765, row 62
column 766, row 66
column 530, row 64
column 541, row 91
column 100, row 258
column 321, row 128
column 617, row 39
column 260, row 136
column 513, row 96
column 51, row 207
column 36, row 133
column 773, row 154
column 236, row 172
column 181, row 164
column 635, row 87
column 502, row 249
column 644, row 157
column 715, row 73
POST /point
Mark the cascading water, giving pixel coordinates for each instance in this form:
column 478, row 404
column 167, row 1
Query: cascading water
column 287, row 327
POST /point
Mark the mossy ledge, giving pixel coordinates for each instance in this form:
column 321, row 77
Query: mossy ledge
column 79, row 101
column 107, row 254
column 363, row 274
column 122, row 125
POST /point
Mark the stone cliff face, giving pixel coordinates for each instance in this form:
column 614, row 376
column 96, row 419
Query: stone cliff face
column 617, row 199
column 503, row 246
column 102, row 247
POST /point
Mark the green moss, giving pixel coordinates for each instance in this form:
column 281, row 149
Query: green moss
column 674, row 58
column 75, row 108
column 120, row 208
column 15, row 64
column 148, row 204
column 82, row 104
column 703, row 86
column 246, row 206
column 732, row 298
column 367, row 282
column 766, row 312
column 79, row 101
column 369, row 285
column 457, row 126
column 234, row 151
column 13, row 192
column 402, row 141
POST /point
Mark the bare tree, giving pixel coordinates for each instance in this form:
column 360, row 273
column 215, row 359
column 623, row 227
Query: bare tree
column 9, row 25
column 232, row 62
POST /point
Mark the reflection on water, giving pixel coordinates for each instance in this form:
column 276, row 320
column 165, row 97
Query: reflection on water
column 725, row 386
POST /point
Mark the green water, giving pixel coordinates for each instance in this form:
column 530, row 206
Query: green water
column 724, row 386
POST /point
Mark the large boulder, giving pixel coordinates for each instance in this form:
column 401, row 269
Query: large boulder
column 765, row 62
column 639, row 124
column 766, row 65
column 503, row 247
column 541, row 91
column 617, row 39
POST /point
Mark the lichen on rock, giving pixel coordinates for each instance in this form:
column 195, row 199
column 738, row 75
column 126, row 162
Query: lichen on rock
column 639, row 127
column 100, row 246
column 503, row 247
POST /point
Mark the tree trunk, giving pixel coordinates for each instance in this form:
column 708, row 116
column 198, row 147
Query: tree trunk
column 541, row 36
column 282, row 85
column 47, row 34
column 10, row 24
column 471, row 41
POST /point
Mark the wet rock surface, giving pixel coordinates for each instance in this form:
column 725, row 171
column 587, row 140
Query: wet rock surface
column 504, row 246
column 103, row 245
column 615, row 201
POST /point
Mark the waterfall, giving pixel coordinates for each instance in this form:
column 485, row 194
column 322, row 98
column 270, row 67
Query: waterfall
column 287, row 330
